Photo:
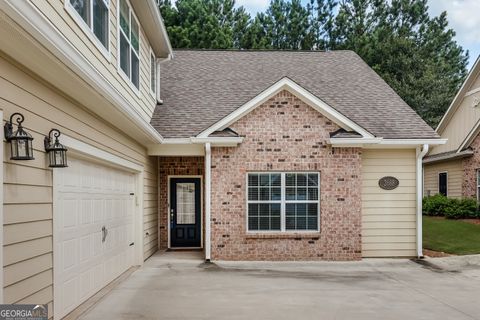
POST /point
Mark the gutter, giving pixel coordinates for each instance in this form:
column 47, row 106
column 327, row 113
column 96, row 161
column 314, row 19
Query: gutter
column 421, row 152
column 208, row 185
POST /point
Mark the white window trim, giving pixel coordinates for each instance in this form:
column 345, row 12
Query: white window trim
column 153, row 93
column 439, row 173
column 88, row 30
column 119, row 68
column 283, row 203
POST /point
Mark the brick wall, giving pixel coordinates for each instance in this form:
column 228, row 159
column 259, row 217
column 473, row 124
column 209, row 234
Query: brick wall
column 169, row 166
column 285, row 134
column 470, row 166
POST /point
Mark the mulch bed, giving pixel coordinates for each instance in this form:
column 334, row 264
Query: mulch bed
column 435, row 254
column 472, row 221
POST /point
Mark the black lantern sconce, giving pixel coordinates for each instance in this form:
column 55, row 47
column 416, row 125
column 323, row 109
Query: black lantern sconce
column 20, row 140
column 57, row 153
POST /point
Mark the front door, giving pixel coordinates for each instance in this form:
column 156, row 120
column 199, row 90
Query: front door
column 185, row 212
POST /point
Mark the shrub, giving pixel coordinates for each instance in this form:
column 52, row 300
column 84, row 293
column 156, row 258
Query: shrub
column 439, row 205
column 435, row 205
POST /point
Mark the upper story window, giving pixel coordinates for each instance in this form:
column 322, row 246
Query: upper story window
column 287, row 201
column 153, row 74
column 95, row 16
column 129, row 48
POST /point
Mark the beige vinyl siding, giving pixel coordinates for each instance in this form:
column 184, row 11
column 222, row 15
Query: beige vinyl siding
column 54, row 11
column 388, row 217
column 454, row 171
column 461, row 123
column 28, row 184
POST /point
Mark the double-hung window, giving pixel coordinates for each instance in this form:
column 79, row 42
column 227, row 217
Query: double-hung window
column 129, row 43
column 286, row 201
column 94, row 14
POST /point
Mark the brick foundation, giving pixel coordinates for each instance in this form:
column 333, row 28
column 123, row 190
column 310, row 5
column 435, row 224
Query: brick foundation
column 285, row 134
column 169, row 166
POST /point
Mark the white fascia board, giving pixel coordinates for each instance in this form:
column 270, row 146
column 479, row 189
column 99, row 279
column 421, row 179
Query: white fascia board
column 457, row 96
column 25, row 14
column 190, row 146
column 301, row 93
column 380, row 142
column 219, row 141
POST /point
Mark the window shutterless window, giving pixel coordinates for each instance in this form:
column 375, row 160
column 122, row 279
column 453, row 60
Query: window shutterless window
column 443, row 183
column 94, row 14
column 129, row 43
column 283, row 201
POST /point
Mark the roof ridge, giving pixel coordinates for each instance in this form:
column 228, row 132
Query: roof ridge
column 260, row 50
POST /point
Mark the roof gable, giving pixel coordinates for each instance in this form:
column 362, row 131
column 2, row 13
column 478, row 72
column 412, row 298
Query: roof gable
column 201, row 87
column 292, row 87
column 472, row 76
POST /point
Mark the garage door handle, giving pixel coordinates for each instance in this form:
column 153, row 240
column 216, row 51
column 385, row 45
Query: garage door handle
column 131, row 244
column 104, row 233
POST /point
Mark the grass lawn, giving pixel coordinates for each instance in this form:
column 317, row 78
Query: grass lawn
column 450, row 236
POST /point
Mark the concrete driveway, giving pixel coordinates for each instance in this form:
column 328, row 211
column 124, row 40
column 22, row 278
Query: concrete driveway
column 179, row 286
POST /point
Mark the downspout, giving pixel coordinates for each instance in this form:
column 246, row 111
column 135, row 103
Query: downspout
column 208, row 185
column 420, row 154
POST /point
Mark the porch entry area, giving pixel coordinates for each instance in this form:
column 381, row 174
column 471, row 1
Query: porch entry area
column 181, row 202
column 185, row 212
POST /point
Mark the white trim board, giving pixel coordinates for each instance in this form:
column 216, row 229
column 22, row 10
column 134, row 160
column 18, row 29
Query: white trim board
column 298, row 91
column 89, row 150
column 458, row 97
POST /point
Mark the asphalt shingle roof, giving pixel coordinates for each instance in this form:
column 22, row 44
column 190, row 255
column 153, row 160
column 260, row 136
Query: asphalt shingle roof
column 200, row 87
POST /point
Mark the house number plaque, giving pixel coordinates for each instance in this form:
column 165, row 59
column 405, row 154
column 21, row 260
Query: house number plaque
column 388, row 183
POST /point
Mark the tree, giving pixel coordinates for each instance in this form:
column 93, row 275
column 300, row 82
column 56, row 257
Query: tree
column 414, row 53
column 205, row 24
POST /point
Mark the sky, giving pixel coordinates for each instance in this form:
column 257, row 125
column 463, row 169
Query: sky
column 463, row 17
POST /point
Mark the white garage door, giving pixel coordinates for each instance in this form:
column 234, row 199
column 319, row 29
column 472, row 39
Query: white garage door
column 94, row 230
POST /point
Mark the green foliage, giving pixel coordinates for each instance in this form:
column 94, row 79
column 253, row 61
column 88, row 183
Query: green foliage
column 451, row 236
column 435, row 205
column 439, row 205
column 414, row 53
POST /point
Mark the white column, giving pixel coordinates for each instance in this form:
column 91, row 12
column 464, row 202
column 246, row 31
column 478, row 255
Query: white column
column 208, row 186
column 421, row 152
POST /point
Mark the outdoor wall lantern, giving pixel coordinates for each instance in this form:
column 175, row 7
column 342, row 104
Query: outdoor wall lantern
column 20, row 140
column 57, row 153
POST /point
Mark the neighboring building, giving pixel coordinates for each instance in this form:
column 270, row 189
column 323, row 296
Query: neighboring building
column 249, row 155
column 452, row 169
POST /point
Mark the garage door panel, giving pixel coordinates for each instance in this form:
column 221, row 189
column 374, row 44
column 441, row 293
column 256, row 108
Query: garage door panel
column 88, row 197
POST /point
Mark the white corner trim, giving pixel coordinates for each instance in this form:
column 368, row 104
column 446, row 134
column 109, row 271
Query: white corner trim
column 33, row 21
column 208, row 187
column 294, row 88
column 457, row 96
column 78, row 146
column 421, row 152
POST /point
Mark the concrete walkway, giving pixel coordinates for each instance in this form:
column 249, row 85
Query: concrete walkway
column 180, row 286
